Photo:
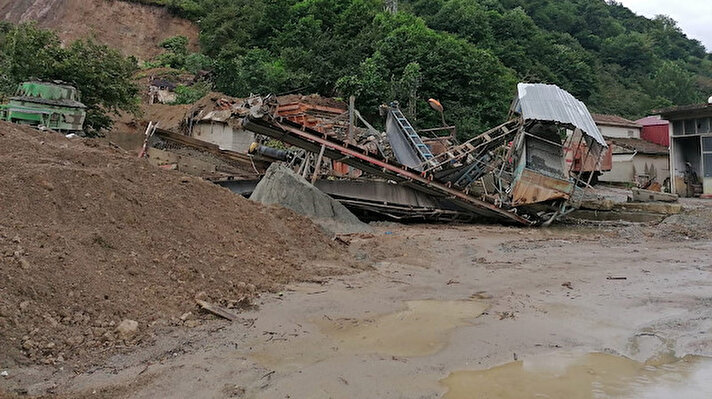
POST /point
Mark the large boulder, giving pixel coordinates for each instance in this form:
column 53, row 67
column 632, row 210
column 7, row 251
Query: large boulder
column 282, row 186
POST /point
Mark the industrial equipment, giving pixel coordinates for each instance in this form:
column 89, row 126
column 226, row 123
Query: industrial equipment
column 51, row 105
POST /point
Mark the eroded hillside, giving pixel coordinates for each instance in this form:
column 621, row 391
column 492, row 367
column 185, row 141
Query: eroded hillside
column 134, row 29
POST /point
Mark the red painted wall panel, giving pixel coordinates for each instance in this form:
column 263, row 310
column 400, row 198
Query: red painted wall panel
column 658, row 134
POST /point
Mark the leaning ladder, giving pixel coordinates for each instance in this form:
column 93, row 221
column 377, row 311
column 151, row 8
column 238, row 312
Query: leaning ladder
column 458, row 153
column 413, row 136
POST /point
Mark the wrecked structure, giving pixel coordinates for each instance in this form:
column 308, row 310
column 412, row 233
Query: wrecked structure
column 54, row 105
column 515, row 172
column 525, row 171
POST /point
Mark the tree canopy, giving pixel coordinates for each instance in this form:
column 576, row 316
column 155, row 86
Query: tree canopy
column 469, row 53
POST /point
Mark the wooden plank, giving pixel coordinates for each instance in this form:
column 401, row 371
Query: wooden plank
column 217, row 310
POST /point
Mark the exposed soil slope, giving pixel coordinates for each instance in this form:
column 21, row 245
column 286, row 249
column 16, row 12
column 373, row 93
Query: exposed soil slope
column 132, row 28
column 90, row 236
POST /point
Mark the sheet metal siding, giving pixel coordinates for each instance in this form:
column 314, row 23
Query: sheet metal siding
column 550, row 103
column 658, row 134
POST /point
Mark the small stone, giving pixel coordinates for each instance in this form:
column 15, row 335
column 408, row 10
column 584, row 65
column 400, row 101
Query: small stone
column 192, row 323
column 24, row 305
column 127, row 328
column 24, row 263
column 185, row 316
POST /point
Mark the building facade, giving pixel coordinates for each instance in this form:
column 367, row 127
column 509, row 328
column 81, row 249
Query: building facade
column 690, row 148
column 634, row 160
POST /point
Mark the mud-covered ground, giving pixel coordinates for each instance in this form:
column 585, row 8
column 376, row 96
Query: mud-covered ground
column 444, row 307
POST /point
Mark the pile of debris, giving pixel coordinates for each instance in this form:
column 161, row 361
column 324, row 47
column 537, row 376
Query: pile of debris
column 98, row 248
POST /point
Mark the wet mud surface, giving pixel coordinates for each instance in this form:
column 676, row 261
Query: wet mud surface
column 566, row 312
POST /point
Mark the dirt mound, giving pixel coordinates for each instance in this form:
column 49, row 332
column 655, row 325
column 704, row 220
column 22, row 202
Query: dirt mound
column 134, row 29
column 695, row 224
column 280, row 185
column 90, row 237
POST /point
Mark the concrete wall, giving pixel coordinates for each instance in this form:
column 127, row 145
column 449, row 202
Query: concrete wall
column 224, row 136
column 628, row 168
column 619, row 132
column 622, row 170
column 659, row 162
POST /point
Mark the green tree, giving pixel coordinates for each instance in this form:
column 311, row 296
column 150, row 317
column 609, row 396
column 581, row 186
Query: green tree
column 675, row 84
column 256, row 72
column 630, row 50
column 104, row 77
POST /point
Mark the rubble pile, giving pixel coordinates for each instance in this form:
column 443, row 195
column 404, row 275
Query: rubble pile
column 694, row 224
column 282, row 186
column 98, row 249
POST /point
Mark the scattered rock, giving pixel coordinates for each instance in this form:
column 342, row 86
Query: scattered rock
column 24, row 263
column 127, row 329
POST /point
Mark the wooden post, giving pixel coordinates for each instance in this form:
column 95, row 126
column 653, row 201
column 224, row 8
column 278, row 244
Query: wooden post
column 307, row 161
column 352, row 106
column 317, row 166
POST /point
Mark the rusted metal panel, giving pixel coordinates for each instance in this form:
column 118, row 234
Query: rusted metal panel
column 533, row 187
column 576, row 157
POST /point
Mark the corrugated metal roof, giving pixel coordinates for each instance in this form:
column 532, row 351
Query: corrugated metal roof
column 542, row 102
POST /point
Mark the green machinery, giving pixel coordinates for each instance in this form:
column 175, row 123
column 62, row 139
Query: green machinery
column 54, row 106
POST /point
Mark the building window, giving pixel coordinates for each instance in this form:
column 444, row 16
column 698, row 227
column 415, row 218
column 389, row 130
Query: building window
column 631, row 133
column 690, row 126
column 703, row 125
column 677, row 128
column 707, row 155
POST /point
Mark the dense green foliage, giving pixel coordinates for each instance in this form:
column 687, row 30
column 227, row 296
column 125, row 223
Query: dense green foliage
column 467, row 53
column 103, row 76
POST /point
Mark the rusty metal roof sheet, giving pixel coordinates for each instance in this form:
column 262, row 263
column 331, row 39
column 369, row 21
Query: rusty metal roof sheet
column 542, row 102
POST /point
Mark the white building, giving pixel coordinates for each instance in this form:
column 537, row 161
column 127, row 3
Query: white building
column 634, row 160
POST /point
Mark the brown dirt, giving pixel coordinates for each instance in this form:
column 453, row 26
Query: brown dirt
column 90, row 236
column 132, row 28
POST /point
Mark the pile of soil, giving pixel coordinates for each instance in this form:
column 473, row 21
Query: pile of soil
column 281, row 185
column 91, row 237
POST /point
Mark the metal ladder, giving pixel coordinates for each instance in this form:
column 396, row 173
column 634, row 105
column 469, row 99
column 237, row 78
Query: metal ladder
column 413, row 136
column 458, row 153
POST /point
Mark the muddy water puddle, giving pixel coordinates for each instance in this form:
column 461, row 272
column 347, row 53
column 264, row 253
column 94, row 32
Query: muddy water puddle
column 586, row 376
column 422, row 328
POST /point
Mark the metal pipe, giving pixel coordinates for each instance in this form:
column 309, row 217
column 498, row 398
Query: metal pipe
column 270, row 152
